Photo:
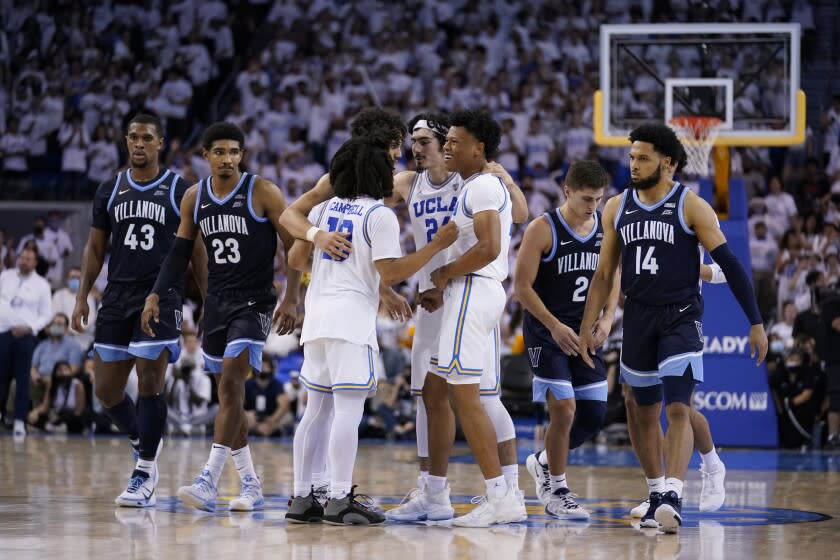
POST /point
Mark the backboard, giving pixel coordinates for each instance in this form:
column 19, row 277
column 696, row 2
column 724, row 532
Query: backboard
column 747, row 75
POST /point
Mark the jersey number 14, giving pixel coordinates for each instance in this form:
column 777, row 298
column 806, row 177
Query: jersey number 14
column 647, row 263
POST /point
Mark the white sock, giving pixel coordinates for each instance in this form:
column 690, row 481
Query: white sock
column 135, row 443
column 511, row 474
column 436, row 483
column 302, row 488
column 711, row 460
column 542, row 458
column 147, row 467
column 424, row 476
column 656, row 484
column 216, row 461
column 674, row 484
column 339, row 489
column 496, row 487
column 558, row 482
column 243, row 462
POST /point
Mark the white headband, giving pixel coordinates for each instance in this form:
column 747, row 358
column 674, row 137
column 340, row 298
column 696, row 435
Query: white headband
column 423, row 123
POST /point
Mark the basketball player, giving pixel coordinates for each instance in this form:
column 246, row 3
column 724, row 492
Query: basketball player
column 139, row 211
column 555, row 264
column 237, row 215
column 473, row 301
column 653, row 230
column 339, row 332
column 430, row 194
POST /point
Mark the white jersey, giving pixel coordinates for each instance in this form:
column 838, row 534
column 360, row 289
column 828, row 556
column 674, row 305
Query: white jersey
column 343, row 295
column 480, row 193
column 430, row 207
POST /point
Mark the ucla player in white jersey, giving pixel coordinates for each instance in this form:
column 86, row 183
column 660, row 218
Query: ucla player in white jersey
column 339, row 331
column 473, row 302
column 431, row 193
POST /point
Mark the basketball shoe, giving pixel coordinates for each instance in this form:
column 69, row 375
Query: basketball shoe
column 648, row 519
column 305, row 509
column 640, row 510
column 669, row 512
column 509, row 508
column 140, row 491
column 250, row 497
column 353, row 509
column 713, row 492
column 539, row 473
column 562, row 505
column 423, row 505
column 201, row 494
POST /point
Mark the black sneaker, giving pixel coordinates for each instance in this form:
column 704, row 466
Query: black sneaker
column 669, row 512
column 305, row 509
column 353, row 509
column 322, row 495
column 649, row 519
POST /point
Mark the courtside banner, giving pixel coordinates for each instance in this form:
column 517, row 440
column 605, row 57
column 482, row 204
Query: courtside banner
column 735, row 395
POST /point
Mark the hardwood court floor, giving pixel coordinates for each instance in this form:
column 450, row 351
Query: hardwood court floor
column 56, row 501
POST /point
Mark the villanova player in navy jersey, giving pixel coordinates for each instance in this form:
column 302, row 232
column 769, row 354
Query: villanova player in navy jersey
column 654, row 232
column 237, row 215
column 139, row 211
column 556, row 261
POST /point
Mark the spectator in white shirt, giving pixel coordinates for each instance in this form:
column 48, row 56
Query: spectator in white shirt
column 64, row 300
column 104, row 158
column 189, row 390
column 74, row 141
column 780, row 204
column 178, row 92
column 63, row 247
column 784, row 328
column 14, row 147
column 763, row 250
column 25, row 309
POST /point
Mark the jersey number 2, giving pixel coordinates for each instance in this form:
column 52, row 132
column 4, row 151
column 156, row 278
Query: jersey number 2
column 147, row 231
column 582, row 283
column 432, row 227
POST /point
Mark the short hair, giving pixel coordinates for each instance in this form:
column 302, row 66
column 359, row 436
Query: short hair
column 378, row 125
column 222, row 131
column 438, row 123
column 664, row 140
column 481, row 125
column 63, row 316
column 146, row 118
column 33, row 247
column 586, row 174
column 362, row 168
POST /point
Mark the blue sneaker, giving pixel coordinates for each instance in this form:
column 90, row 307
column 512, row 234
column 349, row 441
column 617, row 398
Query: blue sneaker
column 250, row 497
column 201, row 494
column 649, row 519
column 669, row 512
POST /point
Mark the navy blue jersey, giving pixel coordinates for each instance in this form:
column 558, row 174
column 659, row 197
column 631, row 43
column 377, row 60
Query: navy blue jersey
column 565, row 272
column 240, row 245
column 142, row 219
column 660, row 254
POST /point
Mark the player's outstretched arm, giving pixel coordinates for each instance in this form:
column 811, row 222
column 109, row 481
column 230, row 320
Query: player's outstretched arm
column 268, row 196
column 536, row 243
column 702, row 219
column 603, row 282
column 175, row 264
column 392, row 271
column 92, row 261
column 295, row 222
column 519, row 205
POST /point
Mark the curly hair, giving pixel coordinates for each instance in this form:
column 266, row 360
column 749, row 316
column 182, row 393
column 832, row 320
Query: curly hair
column 438, row 121
column 586, row 174
column 379, row 126
column 481, row 125
column 664, row 141
column 222, row 131
column 362, row 168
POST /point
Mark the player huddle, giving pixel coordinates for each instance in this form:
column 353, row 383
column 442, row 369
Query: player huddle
column 462, row 208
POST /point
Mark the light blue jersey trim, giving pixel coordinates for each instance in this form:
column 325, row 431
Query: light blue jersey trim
column 150, row 186
column 114, row 192
column 198, row 201
column 676, row 365
column 152, row 349
column 622, row 203
column 681, row 213
column 658, row 204
column 230, row 194
column 553, row 250
column 592, row 392
column 636, row 378
column 172, row 186
column 213, row 364
column 560, row 388
column 235, row 347
column 250, row 201
column 571, row 232
column 111, row 352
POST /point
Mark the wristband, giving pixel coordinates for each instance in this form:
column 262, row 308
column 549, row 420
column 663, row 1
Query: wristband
column 718, row 277
column 310, row 233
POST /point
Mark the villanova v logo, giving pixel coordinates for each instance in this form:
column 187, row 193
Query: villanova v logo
column 265, row 323
column 534, row 354
column 179, row 315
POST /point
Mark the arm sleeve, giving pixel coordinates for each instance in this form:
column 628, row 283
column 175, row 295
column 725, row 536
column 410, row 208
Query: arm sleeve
column 382, row 229
column 739, row 282
column 490, row 194
column 174, row 265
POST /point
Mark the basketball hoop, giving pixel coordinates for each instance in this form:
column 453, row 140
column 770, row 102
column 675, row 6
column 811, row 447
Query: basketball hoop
column 698, row 135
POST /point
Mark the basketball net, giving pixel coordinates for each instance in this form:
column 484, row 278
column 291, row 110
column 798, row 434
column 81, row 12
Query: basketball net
column 698, row 135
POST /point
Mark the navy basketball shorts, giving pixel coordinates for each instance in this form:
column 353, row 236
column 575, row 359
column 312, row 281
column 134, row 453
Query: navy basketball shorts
column 662, row 341
column 118, row 333
column 567, row 377
column 235, row 322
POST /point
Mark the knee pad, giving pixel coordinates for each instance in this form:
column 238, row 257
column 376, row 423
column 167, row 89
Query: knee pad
column 500, row 418
column 647, row 396
column 589, row 419
column 678, row 389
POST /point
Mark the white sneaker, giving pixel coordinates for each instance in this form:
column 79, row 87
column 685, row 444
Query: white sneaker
column 640, row 510
column 713, row 492
column 563, row 506
column 539, row 473
column 421, row 504
column 201, row 494
column 251, row 496
column 510, row 508
column 140, row 492
column 19, row 430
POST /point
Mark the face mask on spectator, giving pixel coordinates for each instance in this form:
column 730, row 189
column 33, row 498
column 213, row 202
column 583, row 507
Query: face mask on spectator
column 56, row 330
column 777, row 346
column 73, row 284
